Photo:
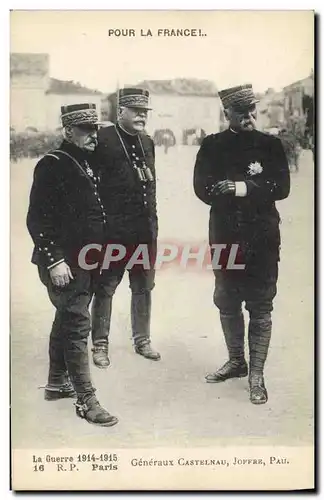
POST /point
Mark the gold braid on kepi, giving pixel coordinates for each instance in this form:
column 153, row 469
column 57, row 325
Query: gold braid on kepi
column 79, row 114
column 238, row 97
column 134, row 98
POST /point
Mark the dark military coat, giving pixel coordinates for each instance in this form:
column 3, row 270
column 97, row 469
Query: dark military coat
column 252, row 221
column 65, row 211
column 130, row 204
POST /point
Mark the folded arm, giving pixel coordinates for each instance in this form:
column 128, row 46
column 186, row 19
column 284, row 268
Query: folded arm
column 276, row 185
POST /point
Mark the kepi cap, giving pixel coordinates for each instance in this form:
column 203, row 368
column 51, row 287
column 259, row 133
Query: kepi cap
column 134, row 98
column 240, row 96
column 79, row 114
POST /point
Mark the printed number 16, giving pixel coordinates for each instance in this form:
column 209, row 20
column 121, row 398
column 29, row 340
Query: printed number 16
column 38, row 468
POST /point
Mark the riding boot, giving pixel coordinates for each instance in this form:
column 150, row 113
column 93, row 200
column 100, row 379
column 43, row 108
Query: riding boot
column 141, row 319
column 57, row 374
column 260, row 327
column 236, row 366
column 100, row 318
column 89, row 408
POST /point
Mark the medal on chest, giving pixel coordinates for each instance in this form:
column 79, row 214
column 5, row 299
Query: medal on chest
column 88, row 169
column 255, row 168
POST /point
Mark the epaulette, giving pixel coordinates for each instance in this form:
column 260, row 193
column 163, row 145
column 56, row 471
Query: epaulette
column 52, row 155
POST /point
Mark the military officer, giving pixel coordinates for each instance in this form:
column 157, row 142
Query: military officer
column 65, row 213
column 240, row 173
column 128, row 191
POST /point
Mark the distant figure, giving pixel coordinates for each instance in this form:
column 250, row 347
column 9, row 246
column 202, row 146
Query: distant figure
column 191, row 137
column 165, row 138
column 291, row 147
column 309, row 126
column 200, row 135
column 167, row 141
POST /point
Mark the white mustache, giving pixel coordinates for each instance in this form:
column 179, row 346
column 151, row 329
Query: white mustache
column 91, row 144
column 249, row 123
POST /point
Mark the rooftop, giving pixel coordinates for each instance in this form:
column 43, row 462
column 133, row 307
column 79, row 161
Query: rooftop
column 179, row 86
column 69, row 87
column 309, row 79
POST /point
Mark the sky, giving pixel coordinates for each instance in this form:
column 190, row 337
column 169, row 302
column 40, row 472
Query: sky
column 265, row 48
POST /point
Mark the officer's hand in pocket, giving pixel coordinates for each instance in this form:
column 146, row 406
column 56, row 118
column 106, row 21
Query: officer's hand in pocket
column 61, row 274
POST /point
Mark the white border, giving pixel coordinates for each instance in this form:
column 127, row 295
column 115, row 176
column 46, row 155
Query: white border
column 4, row 196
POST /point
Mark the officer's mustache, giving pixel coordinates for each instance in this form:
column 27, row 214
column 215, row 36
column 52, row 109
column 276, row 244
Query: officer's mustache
column 142, row 122
column 92, row 141
column 251, row 122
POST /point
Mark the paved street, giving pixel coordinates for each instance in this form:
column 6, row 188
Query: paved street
column 168, row 403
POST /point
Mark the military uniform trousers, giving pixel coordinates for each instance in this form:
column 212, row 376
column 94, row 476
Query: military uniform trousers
column 68, row 346
column 256, row 285
column 141, row 282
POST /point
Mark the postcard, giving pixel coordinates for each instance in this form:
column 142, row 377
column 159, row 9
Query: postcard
column 162, row 228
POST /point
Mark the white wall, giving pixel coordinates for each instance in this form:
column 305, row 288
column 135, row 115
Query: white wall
column 27, row 101
column 27, row 108
column 183, row 112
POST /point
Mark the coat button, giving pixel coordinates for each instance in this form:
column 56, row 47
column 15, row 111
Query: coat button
column 45, row 248
column 41, row 235
column 51, row 259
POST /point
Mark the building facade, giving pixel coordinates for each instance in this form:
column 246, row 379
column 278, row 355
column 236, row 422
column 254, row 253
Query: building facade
column 271, row 110
column 36, row 99
column 299, row 109
column 62, row 93
column 189, row 109
column 298, row 96
column 29, row 80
